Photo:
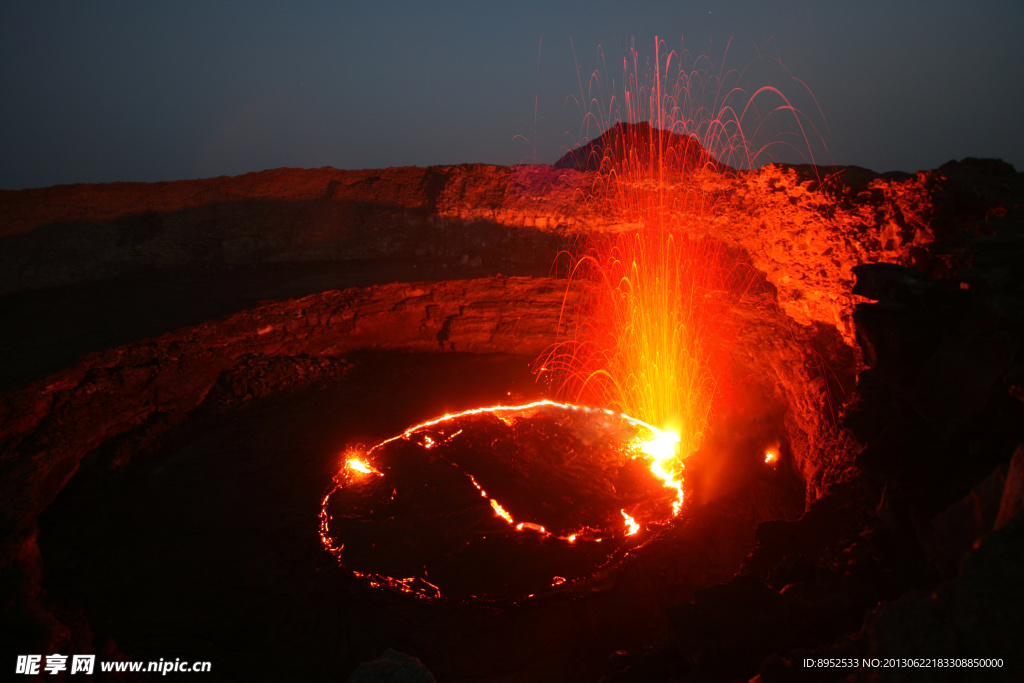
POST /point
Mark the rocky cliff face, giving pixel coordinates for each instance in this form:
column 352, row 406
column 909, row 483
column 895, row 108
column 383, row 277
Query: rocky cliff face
column 78, row 233
column 147, row 387
column 804, row 230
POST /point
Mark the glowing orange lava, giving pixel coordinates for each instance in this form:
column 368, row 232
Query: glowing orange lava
column 500, row 511
column 631, row 526
column 358, row 465
column 659, row 447
column 663, row 453
column 540, row 458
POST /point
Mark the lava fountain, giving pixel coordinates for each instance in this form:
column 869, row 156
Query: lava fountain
column 509, row 502
column 653, row 336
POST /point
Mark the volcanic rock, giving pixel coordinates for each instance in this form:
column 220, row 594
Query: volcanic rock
column 149, row 386
column 1012, row 503
column 804, row 230
column 77, row 233
column 897, row 419
column 637, row 144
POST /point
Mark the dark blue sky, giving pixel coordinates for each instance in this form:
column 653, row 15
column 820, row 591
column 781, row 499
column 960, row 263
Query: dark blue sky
column 107, row 91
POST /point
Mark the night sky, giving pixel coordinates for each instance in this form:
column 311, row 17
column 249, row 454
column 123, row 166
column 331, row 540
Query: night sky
column 146, row 91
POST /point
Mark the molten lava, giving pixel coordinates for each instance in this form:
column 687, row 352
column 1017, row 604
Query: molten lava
column 663, row 453
column 357, row 466
column 632, row 528
column 568, row 487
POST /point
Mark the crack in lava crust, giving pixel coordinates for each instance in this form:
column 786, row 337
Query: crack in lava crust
column 578, row 488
